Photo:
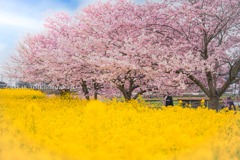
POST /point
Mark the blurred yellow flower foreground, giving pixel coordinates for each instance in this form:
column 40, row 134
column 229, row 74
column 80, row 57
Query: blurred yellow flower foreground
column 33, row 126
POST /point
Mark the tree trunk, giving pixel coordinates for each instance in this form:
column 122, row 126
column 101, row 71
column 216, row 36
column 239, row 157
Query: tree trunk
column 126, row 95
column 97, row 87
column 85, row 89
column 95, row 95
column 124, row 92
column 214, row 102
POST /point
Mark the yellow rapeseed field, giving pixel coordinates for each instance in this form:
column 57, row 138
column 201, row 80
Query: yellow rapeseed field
column 34, row 127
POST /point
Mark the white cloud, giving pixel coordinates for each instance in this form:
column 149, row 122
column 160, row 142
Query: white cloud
column 19, row 21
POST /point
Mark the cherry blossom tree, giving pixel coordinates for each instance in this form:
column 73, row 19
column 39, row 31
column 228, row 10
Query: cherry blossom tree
column 114, row 29
column 71, row 42
column 56, row 57
column 201, row 42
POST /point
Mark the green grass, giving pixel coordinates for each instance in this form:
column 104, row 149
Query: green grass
column 157, row 102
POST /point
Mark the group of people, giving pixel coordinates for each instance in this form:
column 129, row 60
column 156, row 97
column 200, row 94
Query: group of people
column 228, row 104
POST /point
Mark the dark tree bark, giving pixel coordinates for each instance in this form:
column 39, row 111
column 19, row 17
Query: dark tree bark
column 95, row 95
column 85, row 89
column 97, row 87
column 127, row 93
column 214, row 102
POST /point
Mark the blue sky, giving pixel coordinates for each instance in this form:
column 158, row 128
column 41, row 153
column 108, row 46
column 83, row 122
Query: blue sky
column 18, row 17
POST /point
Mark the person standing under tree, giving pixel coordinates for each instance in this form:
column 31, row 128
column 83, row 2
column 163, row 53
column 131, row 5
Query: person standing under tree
column 169, row 101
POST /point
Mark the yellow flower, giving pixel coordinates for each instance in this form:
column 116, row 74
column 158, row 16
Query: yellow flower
column 36, row 127
column 180, row 103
